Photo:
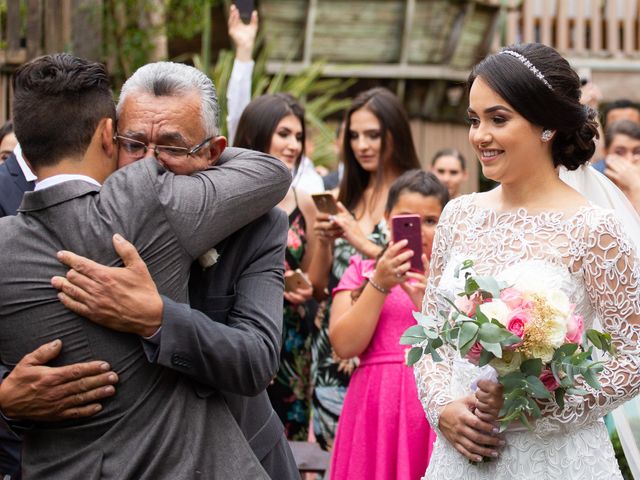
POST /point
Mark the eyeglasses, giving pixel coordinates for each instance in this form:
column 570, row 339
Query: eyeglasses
column 138, row 149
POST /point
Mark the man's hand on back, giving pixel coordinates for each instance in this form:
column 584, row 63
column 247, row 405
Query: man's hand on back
column 120, row 298
column 33, row 391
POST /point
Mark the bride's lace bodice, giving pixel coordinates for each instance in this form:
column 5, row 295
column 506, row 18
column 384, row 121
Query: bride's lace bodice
column 586, row 254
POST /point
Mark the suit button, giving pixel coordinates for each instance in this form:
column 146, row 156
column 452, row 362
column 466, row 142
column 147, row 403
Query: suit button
column 181, row 361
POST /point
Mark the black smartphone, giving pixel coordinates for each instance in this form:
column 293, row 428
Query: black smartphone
column 245, row 7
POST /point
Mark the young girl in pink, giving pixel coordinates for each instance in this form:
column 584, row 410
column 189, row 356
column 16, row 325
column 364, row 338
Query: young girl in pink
column 382, row 432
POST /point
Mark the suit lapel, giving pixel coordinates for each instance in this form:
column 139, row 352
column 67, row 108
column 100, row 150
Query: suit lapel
column 16, row 174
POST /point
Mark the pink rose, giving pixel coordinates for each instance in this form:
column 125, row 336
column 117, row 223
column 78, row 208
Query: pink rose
column 517, row 320
column 465, row 305
column 512, row 297
column 473, row 355
column 548, row 380
column 575, row 327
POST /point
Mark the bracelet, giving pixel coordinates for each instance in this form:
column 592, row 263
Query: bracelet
column 380, row 288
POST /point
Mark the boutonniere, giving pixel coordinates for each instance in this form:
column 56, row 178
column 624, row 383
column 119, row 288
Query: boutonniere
column 209, row 258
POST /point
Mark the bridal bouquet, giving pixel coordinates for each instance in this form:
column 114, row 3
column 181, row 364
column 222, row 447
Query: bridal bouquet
column 530, row 335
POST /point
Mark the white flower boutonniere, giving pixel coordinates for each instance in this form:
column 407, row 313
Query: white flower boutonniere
column 209, row 258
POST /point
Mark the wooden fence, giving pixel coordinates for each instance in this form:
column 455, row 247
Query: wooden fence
column 38, row 27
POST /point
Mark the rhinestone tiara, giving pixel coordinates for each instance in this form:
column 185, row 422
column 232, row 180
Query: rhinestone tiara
column 530, row 66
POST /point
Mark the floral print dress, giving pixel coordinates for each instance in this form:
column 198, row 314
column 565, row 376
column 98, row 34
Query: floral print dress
column 290, row 391
column 331, row 374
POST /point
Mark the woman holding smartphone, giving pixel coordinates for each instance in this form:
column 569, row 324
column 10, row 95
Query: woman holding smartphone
column 274, row 124
column 378, row 148
column 382, row 432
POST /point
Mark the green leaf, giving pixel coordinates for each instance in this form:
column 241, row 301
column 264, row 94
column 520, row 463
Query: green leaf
column 434, row 354
column 491, row 333
column 591, row 379
column 485, row 358
column 594, row 337
column 468, row 333
column 481, row 317
column 532, row 367
column 512, row 381
column 470, row 286
column 537, row 388
column 425, row 320
column 494, row 348
column 559, row 394
column 565, row 350
column 577, row 391
column 489, row 285
column 414, row 355
column 414, row 334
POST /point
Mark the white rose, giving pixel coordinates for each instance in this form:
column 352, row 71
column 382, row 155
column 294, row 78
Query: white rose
column 557, row 330
column 510, row 362
column 543, row 352
column 558, row 299
column 496, row 309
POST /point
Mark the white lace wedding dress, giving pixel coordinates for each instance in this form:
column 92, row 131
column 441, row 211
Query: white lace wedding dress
column 588, row 256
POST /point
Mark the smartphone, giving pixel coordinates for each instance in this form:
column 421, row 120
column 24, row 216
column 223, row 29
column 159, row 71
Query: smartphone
column 325, row 203
column 245, row 7
column 295, row 281
column 407, row 227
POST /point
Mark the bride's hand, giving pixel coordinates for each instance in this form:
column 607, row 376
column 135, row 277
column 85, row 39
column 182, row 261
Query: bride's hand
column 471, row 436
column 489, row 400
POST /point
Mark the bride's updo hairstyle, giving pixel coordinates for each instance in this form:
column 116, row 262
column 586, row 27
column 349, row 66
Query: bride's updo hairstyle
column 541, row 85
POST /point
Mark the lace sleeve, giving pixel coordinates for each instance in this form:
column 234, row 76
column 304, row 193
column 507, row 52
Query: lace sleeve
column 611, row 271
column 433, row 377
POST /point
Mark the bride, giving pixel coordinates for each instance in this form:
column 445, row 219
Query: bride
column 526, row 120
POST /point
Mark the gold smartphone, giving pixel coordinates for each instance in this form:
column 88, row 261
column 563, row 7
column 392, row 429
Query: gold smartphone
column 295, row 281
column 325, row 203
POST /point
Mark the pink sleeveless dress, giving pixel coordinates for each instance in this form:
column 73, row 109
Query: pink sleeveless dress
column 383, row 433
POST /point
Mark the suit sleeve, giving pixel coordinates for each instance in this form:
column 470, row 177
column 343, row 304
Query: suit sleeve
column 241, row 355
column 207, row 207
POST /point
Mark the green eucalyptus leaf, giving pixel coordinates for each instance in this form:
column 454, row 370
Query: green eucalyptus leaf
column 577, row 391
column 425, row 320
column 414, row 355
column 494, row 348
column 490, row 333
column 559, row 395
column 412, row 335
column 467, row 335
column 434, row 354
column 594, row 337
column 537, row 388
column 592, row 380
column 489, row 285
column 532, row 367
column 485, row 358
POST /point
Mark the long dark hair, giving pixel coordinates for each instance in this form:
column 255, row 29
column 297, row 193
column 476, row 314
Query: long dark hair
column 394, row 120
column 260, row 119
column 551, row 101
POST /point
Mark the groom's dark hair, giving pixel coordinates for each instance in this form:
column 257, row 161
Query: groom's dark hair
column 59, row 100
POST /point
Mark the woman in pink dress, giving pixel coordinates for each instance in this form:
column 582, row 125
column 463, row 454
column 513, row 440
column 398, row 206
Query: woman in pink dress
column 382, row 432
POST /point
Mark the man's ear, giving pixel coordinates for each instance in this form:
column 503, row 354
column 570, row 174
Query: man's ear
column 106, row 137
column 216, row 147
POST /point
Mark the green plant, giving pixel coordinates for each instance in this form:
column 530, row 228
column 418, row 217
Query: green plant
column 321, row 96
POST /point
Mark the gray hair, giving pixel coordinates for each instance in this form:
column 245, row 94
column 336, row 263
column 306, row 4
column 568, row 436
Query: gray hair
column 169, row 79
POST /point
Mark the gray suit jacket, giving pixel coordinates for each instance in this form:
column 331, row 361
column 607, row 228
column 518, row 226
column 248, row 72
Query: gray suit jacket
column 231, row 343
column 156, row 426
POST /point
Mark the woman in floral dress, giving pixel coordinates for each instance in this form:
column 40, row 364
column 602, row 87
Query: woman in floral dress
column 275, row 124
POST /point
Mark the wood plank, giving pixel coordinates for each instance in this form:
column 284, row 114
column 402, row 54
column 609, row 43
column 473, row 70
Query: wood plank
column 629, row 23
column 53, row 26
column 562, row 28
column 13, row 29
column 307, row 48
column 87, row 32
column 34, row 28
column 596, row 27
column 528, row 21
column 546, row 36
column 407, row 31
column 611, row 18
column 376, row 70
column 513, row 19
column 579, row 30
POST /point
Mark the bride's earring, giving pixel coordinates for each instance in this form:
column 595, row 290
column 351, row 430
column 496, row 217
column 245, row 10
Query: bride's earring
column 546, row 135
